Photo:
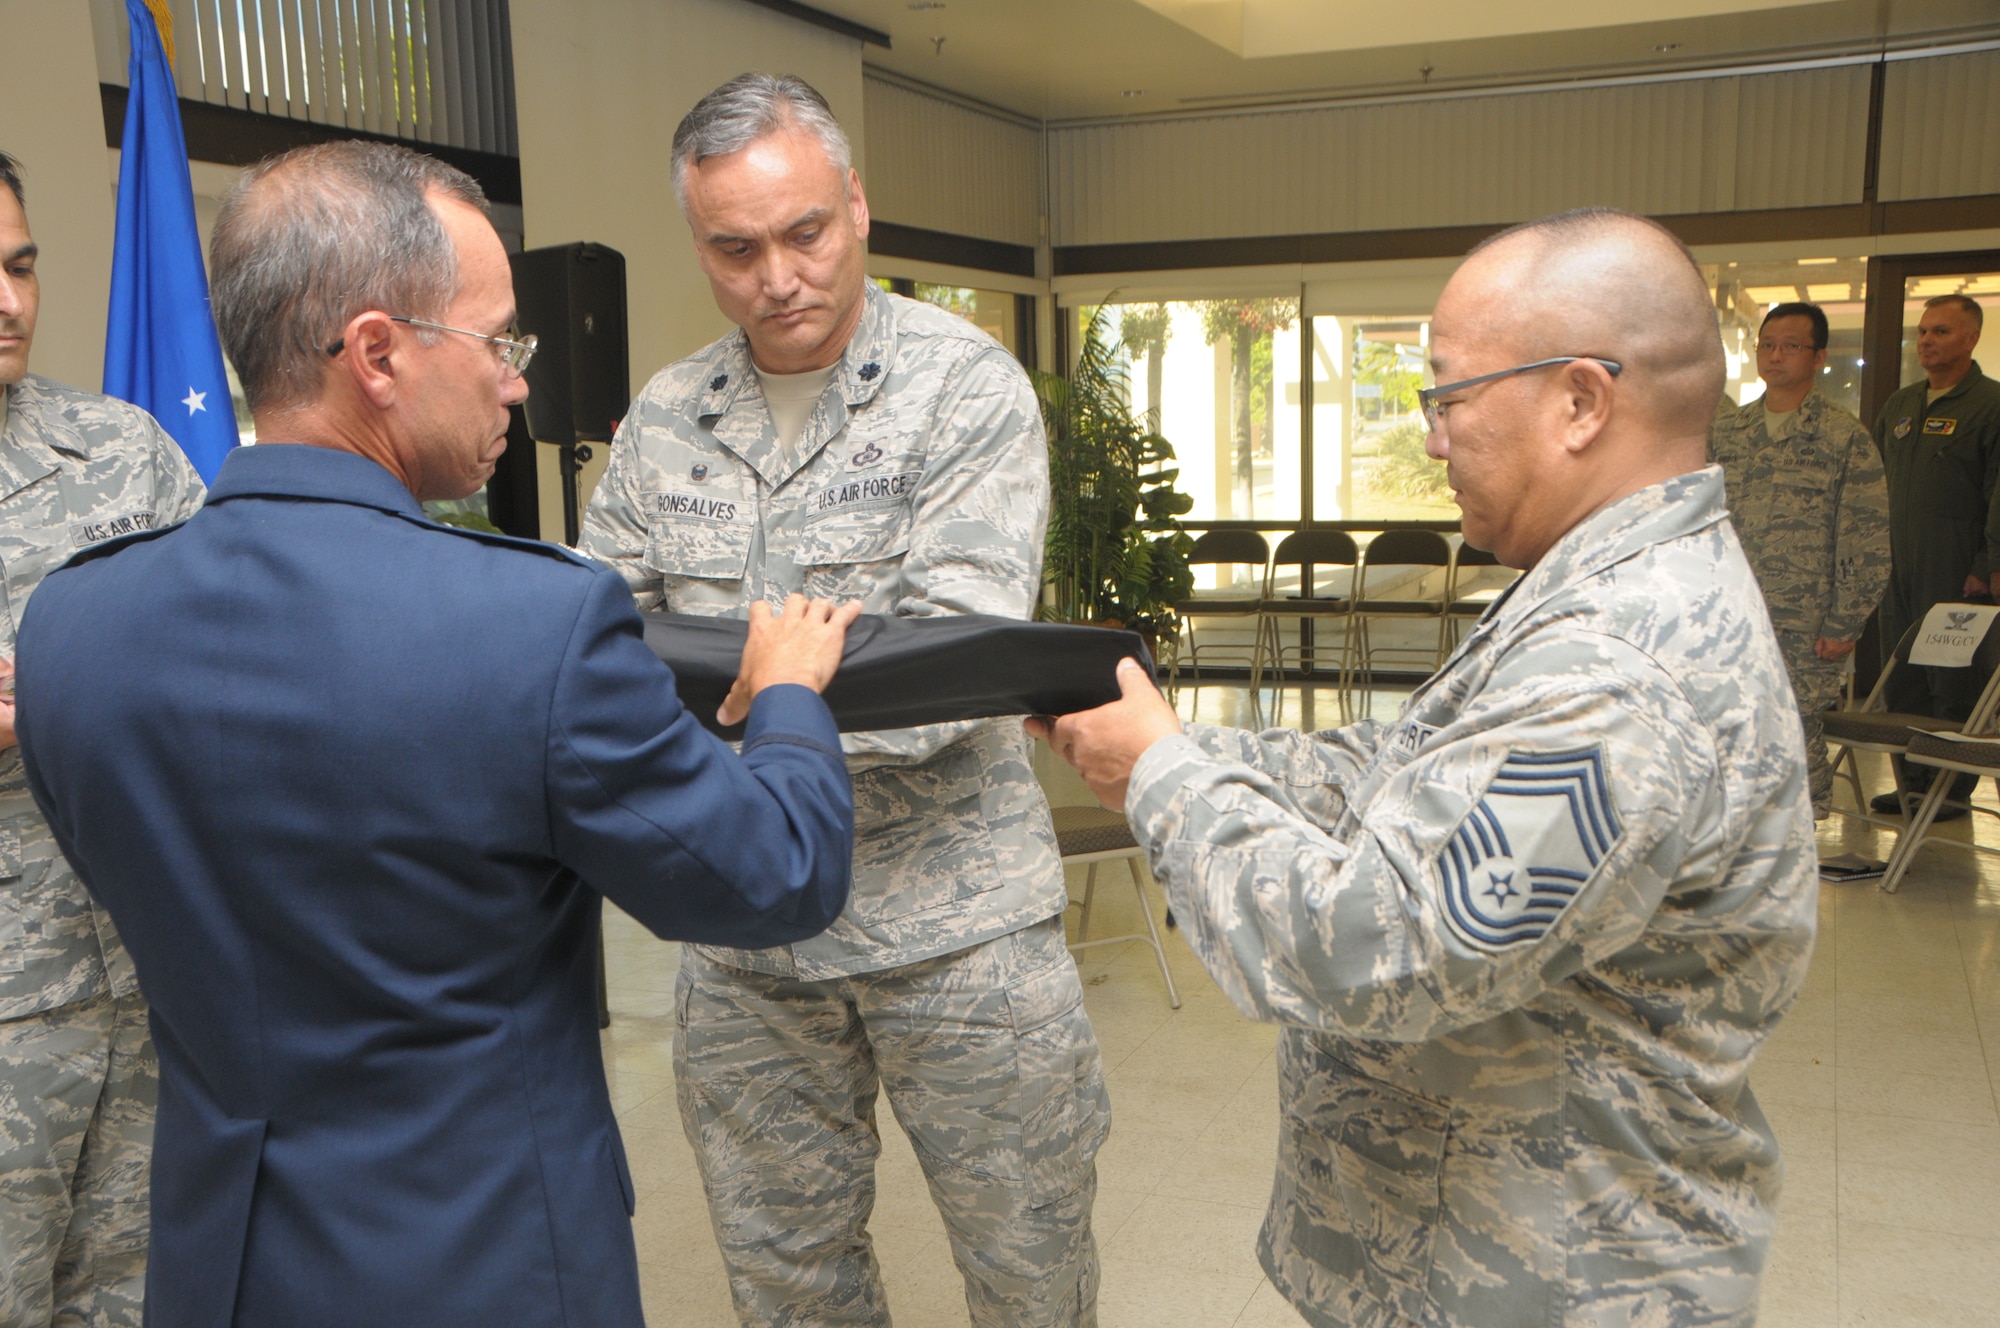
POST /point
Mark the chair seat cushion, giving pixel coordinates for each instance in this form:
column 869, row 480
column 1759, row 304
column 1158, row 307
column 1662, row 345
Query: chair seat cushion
column 1955, row 750
column 1891, row 729
column 1091, row 830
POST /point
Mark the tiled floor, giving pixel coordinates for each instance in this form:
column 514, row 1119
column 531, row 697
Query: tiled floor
column 1881, row 1084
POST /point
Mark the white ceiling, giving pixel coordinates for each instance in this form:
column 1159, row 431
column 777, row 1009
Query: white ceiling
column 1079, row 59
column 1253, row 28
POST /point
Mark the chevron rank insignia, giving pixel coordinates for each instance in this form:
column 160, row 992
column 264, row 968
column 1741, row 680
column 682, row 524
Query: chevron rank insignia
column 1527, row 847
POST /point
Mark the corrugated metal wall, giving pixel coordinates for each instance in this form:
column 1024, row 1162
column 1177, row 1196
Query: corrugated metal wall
column 1793, row 139
column 435, row 71
column 944, row 166
column 1941, row 127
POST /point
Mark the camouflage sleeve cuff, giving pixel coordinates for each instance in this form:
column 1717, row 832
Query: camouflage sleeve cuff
column 1158, row 776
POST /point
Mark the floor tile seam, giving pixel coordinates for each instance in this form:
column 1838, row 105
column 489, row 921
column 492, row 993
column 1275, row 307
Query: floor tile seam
column 1989, row 1170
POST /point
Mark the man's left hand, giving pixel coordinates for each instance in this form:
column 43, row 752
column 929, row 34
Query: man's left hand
column 1104, row 744
column 1829, row 649
column 1976, row 586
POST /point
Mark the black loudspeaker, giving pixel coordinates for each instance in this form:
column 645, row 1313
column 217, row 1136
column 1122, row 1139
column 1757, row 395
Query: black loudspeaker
column 572, row 297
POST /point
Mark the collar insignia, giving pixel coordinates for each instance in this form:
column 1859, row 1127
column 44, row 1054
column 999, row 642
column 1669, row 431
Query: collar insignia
column 867, row 372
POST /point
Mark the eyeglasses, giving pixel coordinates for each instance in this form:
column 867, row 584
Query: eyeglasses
column 1434, row 409
column 1787, row 348
column 514, row 354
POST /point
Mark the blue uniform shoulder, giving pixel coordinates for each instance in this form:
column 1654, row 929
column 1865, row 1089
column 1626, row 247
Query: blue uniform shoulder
column 543, row 548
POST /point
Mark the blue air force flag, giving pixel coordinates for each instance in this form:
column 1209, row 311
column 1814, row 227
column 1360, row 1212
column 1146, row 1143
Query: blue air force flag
column 1527, row 847
column 160, row 349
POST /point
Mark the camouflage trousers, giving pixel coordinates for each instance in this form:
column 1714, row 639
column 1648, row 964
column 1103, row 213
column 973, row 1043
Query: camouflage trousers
column 992, row 1070
column 1818, row 685
column 78, row 1085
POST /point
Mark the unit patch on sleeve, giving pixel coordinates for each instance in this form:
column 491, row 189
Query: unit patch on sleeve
column 1527, row 847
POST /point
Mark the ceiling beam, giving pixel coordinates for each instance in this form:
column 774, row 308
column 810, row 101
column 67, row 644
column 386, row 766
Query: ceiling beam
column 819, row 18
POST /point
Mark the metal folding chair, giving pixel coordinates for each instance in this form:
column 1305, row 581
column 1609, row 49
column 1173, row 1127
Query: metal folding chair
column 1381, row 591
column 1319, row 594
column 1094, row 835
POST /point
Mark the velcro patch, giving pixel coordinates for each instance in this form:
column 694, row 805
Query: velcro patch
column 1527, row 847
column 1940, row 424
column 869, row 491
column 82, row 533
column 687, row 506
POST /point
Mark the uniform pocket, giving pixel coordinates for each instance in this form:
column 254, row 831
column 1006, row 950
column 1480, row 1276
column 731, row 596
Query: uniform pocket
column 1365, row 1161
column 1065, row 1111
column 708, row 553
column 13, row 933
column 923, row 835
column 854, row 555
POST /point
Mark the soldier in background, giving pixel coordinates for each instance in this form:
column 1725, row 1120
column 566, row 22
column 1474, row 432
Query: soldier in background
column 854, row 444
column 1940, row 444
column 78, row 1078
column 1524, row 941
column 1809, row 504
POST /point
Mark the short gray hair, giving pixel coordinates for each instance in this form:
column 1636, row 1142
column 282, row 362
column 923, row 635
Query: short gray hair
column 745, row 109
column 308, row 239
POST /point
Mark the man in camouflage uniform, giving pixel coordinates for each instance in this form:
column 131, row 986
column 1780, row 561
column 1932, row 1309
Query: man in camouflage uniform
column 851, row 444
column 77, row 1072
column 1809, row 504
column 1525, row 940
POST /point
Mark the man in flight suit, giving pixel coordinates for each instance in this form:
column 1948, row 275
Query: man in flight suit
column 78, row 1076
column 849, row 443
column 1808, row 502
column 1940, row 443
column 1524, row 941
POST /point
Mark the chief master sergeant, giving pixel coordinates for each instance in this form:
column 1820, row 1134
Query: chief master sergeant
column 78, row 1077
column 850, row 443
column 1809, row 504
column 1524, row 941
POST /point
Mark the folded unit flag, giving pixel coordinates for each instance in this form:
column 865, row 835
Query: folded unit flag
column 898, row 673
column 160, row 347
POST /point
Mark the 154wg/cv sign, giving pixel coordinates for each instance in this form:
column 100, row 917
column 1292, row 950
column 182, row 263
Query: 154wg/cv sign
column 1951, row 632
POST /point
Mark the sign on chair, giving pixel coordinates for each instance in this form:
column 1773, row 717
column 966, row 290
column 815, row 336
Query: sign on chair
column 1951, row 632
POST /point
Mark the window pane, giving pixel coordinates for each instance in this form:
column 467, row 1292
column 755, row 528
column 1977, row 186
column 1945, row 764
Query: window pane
column 1746, row 292
column 992, row 312
column 1369, row 462
column 1220, row 379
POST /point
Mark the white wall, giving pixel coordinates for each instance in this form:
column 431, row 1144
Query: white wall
column 52, row 120
column 946, row 166
column 599, row 87
column 1794, row 139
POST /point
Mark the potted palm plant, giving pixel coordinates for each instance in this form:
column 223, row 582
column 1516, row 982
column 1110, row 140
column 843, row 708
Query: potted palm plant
column 1116, row 553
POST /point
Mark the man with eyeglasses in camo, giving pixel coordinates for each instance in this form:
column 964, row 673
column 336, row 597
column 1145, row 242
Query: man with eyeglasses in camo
column 1523, row 942
column 1806, row 494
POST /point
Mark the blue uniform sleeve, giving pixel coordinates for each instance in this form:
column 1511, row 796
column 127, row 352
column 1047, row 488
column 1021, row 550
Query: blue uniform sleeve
column 661, row 817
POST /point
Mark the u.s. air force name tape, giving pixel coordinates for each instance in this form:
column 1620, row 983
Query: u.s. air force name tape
column 1527, row 847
